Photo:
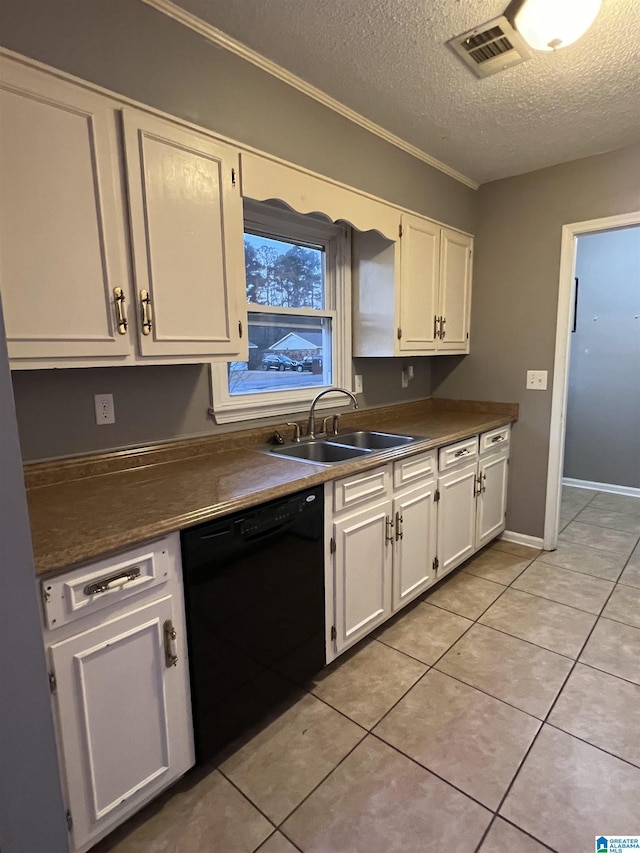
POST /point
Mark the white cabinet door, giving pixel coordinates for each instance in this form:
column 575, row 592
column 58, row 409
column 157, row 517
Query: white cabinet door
column 492, row 500
column 455, row 291
column 362, row 564
column 414, row 515
column 187, row 237
column 124, row 717
column 418, row 291
column 456, row 517
column 61, row 219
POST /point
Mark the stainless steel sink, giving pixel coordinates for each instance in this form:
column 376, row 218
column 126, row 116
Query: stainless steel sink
column 324, row 452
column 341, row 447
column 372, row 440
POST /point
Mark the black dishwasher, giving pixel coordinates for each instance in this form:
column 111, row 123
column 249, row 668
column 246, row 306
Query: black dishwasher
column 254, row 594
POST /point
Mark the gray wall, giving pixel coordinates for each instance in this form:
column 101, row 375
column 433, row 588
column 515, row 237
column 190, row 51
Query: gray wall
column 603, row 406
column 515, row 297
column 56, row 415
column 132, row 49
column 31, row 807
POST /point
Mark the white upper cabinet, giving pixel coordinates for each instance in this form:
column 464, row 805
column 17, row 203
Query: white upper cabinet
column 71, row 188
column 412, row 296
column 418, row 291
column 61, row 225
column 455, row 291
column 187, row 238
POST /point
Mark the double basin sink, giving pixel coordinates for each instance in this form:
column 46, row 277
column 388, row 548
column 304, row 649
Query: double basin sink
column 339, row 448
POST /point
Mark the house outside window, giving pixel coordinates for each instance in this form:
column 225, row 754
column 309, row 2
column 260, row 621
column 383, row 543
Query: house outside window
column 299, row 320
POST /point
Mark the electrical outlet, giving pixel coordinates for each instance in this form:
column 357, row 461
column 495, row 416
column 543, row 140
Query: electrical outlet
column 105, row 413
column 536, row 380
column 357, row 384
column 405, row 378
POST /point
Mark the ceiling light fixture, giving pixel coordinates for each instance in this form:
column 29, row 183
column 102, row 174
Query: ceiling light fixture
column 552, row 24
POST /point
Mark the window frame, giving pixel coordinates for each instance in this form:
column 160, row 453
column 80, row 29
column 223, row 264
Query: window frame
column 281, row 223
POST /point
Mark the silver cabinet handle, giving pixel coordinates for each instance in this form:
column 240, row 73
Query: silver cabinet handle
column 443, row 320
column 121, row 311
column 112, row 581
column 464, row 452
column 497, row 438
column 147, row 312
column 388, row 529
column 399, row 531
column 435, row 326
column 170, row 644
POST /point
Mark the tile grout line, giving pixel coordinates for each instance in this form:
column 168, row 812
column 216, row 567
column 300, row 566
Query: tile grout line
column 371, row 732
column 610, row 674
column 549, row 712
column 432, row 666
column 588, row 743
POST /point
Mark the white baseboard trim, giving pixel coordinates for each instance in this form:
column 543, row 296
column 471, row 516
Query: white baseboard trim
column 602, row 487
column 522, row 539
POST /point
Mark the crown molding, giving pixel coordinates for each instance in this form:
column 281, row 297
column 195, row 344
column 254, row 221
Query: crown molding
column 216, row 36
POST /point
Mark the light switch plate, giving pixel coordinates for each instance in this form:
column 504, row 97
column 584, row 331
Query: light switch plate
column 537, row 380
column 357, row 383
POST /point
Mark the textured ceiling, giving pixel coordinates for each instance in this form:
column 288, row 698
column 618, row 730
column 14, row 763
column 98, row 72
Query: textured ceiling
column 388, row 61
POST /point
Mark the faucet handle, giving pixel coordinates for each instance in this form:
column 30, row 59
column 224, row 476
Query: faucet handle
column 325, row 424
column 336, row 423
column 296, row 430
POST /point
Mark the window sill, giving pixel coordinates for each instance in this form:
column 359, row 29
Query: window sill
column 242, row 410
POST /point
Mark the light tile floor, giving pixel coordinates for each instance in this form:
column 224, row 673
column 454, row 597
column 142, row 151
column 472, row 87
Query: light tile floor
column 499, row 714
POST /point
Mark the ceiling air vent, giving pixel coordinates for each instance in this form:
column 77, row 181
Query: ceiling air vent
column 491, row 47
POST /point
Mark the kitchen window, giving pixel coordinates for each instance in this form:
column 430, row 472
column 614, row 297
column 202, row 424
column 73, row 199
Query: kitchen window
column 298, row 279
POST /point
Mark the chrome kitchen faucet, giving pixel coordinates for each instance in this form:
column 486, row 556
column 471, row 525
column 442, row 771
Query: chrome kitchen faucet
column 311, row 426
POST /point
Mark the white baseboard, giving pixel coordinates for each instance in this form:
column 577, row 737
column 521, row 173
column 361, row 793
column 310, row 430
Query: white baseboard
column 602, row 487
column 522, row 539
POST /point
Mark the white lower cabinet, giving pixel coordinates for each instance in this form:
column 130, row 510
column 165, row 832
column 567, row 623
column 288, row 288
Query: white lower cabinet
column 456, row 517
column 381, row 534
column 472, row 496
column 394, row 531
column 362, row 561
column 120, row 685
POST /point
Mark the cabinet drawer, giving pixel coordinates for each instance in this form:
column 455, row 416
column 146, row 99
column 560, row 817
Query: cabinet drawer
column 91, row 588
column 495, row 439
column 461, row 451
column 419, row 467
column 360, row 488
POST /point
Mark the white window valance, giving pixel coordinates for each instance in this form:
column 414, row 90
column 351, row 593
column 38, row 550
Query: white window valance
column 264, row 179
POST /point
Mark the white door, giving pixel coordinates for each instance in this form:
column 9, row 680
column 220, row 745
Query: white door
column 61, row 220
column 418, row 291
column 455, row 291
column 363, row 558
column 492, row 500
column 456, row 517
column 187, row 234
column 414, row 515
column 124, row 717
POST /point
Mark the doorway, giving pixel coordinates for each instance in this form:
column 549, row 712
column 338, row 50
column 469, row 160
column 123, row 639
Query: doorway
column 564, row 326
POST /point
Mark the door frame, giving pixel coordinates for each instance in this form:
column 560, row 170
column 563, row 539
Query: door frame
column 570, row 234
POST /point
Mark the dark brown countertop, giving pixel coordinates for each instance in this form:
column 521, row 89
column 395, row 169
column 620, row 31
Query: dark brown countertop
column 90, row 507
